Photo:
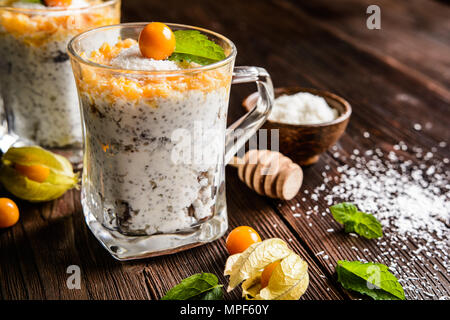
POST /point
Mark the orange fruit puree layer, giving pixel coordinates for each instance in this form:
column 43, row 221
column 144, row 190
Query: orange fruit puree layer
column 37, row 29
column 135, row 86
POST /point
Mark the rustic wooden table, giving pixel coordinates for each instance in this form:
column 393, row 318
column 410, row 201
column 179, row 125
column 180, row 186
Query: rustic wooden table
column 394, row 78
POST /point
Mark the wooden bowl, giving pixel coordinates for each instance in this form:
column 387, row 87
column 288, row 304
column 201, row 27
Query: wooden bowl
column 304, row 143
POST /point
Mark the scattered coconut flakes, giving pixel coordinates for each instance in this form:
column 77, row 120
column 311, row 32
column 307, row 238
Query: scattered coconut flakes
column 410, row 199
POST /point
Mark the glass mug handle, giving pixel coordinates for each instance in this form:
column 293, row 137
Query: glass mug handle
column 241, row 130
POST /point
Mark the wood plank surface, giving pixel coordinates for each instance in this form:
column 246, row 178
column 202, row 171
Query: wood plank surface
column 394, row 78
column 412, row 37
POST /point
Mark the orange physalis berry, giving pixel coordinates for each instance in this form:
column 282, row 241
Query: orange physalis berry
column 34, row 172
column 267, row 273
column 241, row 238
column 156, row 41
column 9, row 213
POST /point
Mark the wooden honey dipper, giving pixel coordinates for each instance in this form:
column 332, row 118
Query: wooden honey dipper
column 269, row 173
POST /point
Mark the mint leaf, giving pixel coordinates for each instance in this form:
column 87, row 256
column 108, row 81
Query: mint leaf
column 190, row 58
column 354, row 220
column 200, row 286
column 342, row 211
column 213, row 294
column 33, row 1
column 193, row 46
column 372, row 279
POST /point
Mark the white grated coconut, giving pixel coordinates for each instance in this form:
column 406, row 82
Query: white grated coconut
column 411, row 199
column 132, row 59
column 302, row 108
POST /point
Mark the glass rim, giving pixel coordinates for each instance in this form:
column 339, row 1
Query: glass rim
column 58, row 10
column 75, row 56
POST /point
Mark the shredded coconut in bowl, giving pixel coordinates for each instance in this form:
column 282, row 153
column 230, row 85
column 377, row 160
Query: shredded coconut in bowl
column 302, row 108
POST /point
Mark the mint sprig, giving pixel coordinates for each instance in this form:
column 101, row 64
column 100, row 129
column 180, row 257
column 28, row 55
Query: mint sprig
column 213, row 294
column 372, row 279
column 193, row 46
column 33, row 1
column 200, row 286
column 354, row 220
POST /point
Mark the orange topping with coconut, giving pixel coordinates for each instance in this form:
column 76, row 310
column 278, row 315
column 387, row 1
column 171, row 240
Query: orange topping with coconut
column 156, row 41
column 141, row 85
column 37, row 29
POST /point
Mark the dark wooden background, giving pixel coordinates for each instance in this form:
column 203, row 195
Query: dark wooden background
column 321, row 44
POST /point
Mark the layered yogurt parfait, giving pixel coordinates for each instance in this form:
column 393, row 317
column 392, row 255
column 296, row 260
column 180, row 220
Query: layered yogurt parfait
column 36, row 80
column 154, row 104
column 132, row 126
column 141, row 115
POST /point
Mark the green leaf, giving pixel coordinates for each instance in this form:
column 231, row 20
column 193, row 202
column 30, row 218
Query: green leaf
column 372, row 279
column 215, row 293
column 200, row 286
column 190, row 58
column 342, row 211
column 193, row 46
column 32, row 1
column 354, row 220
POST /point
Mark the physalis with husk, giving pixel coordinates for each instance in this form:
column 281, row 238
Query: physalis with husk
column 268, row 270
column 34, row 174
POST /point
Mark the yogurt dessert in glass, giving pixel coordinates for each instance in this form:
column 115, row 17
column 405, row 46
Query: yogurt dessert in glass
column 36, row 80
column 155, row 140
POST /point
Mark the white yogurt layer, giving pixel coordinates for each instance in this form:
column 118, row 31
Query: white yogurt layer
column 132, row 182
column 302, row 108
column 37, row 84
column 132, row 59
column 39, row 92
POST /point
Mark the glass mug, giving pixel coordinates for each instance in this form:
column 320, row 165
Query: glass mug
column 156, row 145
column 40, row 100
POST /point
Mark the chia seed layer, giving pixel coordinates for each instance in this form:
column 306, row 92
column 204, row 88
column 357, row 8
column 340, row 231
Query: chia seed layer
column 36, row 79
column 131, row 182
column 39, row 91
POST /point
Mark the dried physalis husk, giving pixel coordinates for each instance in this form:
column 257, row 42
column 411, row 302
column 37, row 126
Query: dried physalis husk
column 60, row 174
column 289, row 278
